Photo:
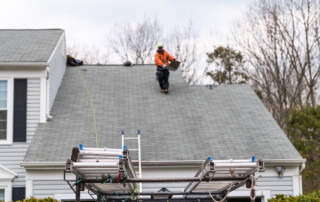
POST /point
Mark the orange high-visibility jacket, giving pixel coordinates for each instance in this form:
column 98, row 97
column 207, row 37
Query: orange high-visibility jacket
column 162, row 59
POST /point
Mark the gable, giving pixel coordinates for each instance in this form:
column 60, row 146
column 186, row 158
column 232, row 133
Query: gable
column 6, row 174
column 28, row 45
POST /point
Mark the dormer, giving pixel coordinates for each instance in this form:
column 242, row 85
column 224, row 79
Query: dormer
column 32, row 65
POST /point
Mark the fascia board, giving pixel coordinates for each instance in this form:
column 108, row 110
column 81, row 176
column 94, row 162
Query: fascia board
column 10, row 174
column 24, row 64
column 186, row 163
column 43, row 165
column 284, row 161
column 56, row 47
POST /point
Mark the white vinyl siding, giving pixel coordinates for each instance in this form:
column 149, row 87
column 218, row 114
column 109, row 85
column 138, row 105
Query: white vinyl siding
column 276, row 185
column 12, row 155
column 57, row 68
column 47, row 188
column 33, row 107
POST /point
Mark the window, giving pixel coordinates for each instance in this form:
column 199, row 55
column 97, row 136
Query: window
column 2, row 195
column 3, row 109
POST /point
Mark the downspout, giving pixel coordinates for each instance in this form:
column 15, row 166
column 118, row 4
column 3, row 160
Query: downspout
column 302, row 167
column 49, row 117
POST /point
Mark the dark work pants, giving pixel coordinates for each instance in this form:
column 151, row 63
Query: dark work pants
column 163, row 78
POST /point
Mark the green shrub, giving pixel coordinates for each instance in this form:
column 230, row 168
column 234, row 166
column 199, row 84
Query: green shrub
column 312, row 197
column 33, row 199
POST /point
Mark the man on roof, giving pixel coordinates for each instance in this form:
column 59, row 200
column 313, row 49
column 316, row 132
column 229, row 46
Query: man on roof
column 161, row 59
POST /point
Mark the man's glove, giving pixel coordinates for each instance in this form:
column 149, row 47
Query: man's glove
column 163, row 66
column 174, row 59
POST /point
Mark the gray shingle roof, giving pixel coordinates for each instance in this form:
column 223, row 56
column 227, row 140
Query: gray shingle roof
column 28, row 45
column 190, row 123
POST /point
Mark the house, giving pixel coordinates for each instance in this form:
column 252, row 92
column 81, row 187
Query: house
column 178, row 130
column 32, row 64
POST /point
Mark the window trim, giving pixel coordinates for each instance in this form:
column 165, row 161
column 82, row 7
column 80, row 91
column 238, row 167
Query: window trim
column 7, row 187
column 9, row 139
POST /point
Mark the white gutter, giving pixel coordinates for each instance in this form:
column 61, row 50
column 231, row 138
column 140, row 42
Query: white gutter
column 44, row 165
column 182, row 163
column 24, row 64
column 284, row 161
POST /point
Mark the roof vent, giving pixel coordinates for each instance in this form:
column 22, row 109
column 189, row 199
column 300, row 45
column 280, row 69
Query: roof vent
column 212, row 86
column 127, row 63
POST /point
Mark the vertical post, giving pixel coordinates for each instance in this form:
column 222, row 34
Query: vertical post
column 77, row 190
column 122, row 138
column 140, row 170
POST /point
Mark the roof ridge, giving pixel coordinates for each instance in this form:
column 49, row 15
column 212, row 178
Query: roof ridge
column 35, row 29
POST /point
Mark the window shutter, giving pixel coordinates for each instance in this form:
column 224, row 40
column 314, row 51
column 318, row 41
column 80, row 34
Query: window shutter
column 18, row 193
column 20, row 110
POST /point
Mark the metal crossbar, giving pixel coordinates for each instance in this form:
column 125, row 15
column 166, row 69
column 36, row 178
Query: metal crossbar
column 109, row 174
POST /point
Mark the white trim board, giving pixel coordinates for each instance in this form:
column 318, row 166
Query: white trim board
column 9, row 139
column 7, row 186
column 23, row 73
column 56, row 47
column 6, row 177
column 6, row 174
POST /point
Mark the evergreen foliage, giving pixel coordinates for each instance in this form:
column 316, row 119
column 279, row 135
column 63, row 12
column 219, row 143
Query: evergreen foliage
column 303, row 129
column 229, row 65
column 312, row 197
column 33, row 199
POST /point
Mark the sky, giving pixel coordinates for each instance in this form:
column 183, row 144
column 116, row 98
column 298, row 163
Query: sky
column 89, row 21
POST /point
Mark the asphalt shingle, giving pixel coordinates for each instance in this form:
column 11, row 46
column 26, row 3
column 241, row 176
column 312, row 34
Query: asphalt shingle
column 28, row 45
column 189, row 123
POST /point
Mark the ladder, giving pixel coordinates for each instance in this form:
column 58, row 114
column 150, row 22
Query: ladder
column 123, row 138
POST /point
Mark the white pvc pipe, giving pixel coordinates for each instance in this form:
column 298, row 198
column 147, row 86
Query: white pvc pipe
column 235, row 169
column 100, row 153
column 97, row 172
column 97, row 169
column 235, row 165
column 233, row 161
column 92, row 165
column 99, row 157
column 97, row 175
column 100, row 149
column 98, row 160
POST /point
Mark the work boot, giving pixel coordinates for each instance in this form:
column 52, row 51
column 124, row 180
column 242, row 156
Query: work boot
column 166, row 91
column 162, row 90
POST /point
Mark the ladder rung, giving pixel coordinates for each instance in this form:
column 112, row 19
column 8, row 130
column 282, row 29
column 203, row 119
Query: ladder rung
column 133, row 149
column 130, row 138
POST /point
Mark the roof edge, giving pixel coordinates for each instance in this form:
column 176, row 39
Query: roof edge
column 13, row 174
column 24, row 64
column 43, row 165
column 56, row 47
column 182, row 163
column 284, row 161
column 30, row 29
